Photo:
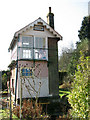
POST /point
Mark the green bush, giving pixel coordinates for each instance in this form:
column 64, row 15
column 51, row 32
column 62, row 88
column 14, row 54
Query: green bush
column 78, row 97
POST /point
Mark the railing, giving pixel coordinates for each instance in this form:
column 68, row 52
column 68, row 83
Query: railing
column 32, row 53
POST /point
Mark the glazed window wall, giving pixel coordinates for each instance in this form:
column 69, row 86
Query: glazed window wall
column 33, row 48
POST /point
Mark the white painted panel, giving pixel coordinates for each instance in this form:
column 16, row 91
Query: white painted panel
column 44, row 33
column 39, row 85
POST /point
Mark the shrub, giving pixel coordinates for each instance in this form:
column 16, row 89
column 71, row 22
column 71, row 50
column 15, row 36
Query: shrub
column 78, row 97
column 30, row 110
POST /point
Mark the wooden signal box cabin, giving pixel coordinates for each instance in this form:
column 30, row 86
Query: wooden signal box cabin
column 34, row 59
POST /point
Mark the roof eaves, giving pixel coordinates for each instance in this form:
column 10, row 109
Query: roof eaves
column 50, row 28
column 35, row 22
column 32, row 24
column 26, row 27
column 12, row 42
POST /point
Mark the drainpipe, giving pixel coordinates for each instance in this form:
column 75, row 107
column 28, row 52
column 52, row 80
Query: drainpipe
column 16, row 80
column 33, row 52
column 10, row 104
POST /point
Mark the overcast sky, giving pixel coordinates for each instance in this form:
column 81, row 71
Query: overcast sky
column 15, row 14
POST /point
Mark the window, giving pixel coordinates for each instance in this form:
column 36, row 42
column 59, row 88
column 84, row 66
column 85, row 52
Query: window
column 26, row 53
column 33, row 48
column 40, row 51
column 40, row 42
column 27, row 72
column 40, row 54
column 27, row 41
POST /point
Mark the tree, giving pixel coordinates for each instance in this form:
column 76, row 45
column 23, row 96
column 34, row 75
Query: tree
column 4, row 81
column 64, row 59
column 78, row 98
column 84, row 32
column 5, row 78
column 83, row 47
column 79, row 66
column 85, row 29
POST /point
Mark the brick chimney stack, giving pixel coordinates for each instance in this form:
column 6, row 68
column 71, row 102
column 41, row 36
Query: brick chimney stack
column 50, row 18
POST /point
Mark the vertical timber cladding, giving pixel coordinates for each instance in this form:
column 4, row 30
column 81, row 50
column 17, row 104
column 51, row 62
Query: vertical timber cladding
column 53, row 66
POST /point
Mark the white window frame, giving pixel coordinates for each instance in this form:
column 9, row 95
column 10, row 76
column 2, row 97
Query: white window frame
column 31, row 73
column 27, row 52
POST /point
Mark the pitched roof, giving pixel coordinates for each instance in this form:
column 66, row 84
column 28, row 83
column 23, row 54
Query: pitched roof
column 32, row 25
column 35, row 22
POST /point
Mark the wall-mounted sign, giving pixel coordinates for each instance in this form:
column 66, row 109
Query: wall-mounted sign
column 38, row 28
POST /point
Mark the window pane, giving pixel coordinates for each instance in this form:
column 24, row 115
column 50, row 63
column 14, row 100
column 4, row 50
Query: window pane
column 40, row 42
column 41, row 54
column 27, row 72
column 33, row 49
column 27, row 41
column 27, row 53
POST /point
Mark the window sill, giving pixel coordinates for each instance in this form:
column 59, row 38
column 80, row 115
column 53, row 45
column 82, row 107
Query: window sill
column 32, row 59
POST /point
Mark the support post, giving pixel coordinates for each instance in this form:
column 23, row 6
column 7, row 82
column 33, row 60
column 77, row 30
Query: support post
column 10, row 105
column 21, row 99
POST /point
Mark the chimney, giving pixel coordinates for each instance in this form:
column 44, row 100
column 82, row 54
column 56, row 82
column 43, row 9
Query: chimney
column 50, row 18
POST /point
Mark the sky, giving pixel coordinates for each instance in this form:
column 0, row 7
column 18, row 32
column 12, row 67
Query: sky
column 15, row 14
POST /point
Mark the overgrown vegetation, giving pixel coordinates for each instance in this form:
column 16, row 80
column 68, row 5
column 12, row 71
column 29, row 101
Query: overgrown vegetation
column 78, row 70
column 5, row 78
column 30, row 110
column 5, row 115
column 78, row 98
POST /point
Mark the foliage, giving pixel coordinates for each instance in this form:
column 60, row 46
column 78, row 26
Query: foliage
column 83, row 47
column 65, row 59
column 71, row 61
column 5, row 78
column 84, row 30
column 63, row 93
column 5, row 114
column 78, row 98
column 30, row 110
column 77, row 66
column 67, row 80
column 4, row 81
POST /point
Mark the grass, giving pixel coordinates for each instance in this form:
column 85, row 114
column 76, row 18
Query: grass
column 63, row 92
column 5, row 114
